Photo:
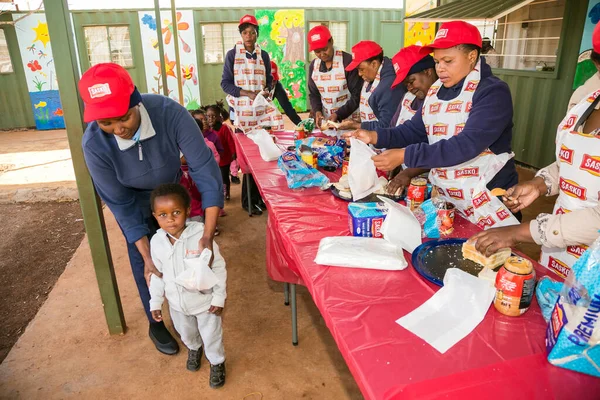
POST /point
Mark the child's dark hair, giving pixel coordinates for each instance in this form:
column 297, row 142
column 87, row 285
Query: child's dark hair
column 197, row 112
column 171, row 189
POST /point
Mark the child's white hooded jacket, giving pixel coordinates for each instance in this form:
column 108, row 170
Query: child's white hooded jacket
column 168, row 259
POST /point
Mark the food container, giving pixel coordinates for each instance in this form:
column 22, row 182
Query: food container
column 515, row 284
column 345, row 166
column 415, row 195
column 366, row 219
column 445, row 215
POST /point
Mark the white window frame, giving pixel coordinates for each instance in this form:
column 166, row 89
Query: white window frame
column 543, row 60
column 225, row 40
column 108, row 41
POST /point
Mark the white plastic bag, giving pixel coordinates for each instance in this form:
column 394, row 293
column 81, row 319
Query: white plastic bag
column 360, row 252
column 400, row 226
column 453, row 312
column 197, row 274
column 268, row 149
column 362, row 174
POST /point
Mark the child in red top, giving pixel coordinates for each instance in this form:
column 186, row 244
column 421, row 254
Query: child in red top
column 215, row 121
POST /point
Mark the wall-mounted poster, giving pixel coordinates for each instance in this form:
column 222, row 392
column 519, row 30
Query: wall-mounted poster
column 282, row 35
column 187, row 54
column 585, row 67
column 418, row 33
column 40, row 74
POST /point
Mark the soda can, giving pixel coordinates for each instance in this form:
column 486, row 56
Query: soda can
column 445, row 216
column 515, row 285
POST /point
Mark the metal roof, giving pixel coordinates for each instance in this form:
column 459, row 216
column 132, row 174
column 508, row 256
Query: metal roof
column 469, row 10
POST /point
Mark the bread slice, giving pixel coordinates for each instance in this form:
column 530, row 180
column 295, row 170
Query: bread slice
column 498, row 192
column 494, row 261
column 329, row 125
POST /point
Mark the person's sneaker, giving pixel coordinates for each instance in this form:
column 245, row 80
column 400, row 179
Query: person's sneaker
column 162, row 339
column 235, row 180
column 217, row 375
column 193, row 360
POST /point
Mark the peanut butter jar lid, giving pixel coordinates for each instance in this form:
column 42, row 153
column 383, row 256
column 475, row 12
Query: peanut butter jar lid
column 518, row 265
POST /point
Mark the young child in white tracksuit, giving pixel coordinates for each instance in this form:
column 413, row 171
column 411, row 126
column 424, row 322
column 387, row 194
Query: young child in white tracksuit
column 195, row 314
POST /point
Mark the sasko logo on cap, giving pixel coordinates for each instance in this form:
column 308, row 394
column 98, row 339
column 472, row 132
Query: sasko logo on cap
column 396, row 67
column 246, row 19
column 99, row 90
column 442, row 33
column 315, row 37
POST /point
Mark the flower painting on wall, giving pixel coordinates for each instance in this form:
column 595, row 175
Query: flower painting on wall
column 40, row 74
column 187, row 54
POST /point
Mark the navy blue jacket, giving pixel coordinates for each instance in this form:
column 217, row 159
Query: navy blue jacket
column 489, row 126
column 384, row 100
column 124, row 182
column 228, row 80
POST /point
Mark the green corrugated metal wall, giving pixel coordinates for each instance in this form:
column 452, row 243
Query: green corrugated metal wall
column 362, row 25
column 15, row 106
column 129, row 18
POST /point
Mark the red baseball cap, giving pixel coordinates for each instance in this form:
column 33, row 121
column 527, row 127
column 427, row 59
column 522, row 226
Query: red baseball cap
column 318, row 37
column 106, row 91
column 404, row 60
column 596, row 38
column 362, row 51
column 274, row 71
column 452, row 34
column 248, row 19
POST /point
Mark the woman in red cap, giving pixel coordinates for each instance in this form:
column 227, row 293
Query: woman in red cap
column 334, row 93
column 575, row 177
column 246, row 73
column 378, row 100
column 416, row 72
column 132, row 144
column 463, row 131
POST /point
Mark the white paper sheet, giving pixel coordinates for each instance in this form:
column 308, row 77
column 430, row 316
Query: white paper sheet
column 362, row 174
column 453, row 312
column 401, row 227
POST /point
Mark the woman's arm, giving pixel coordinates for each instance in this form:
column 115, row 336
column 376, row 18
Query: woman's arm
column 570, row 229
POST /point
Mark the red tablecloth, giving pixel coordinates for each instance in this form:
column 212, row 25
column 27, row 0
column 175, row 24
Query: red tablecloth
column 504, row 358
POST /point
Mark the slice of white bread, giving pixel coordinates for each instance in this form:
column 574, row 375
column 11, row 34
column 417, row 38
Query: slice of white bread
column 329, row 125
column 494, row 261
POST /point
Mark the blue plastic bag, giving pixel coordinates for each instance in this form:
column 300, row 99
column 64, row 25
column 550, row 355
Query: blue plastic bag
column 547, row 292
column 330, row 151
column 298, row 174
column 573, row 334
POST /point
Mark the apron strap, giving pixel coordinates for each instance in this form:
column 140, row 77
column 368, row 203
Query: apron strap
column 586, row 114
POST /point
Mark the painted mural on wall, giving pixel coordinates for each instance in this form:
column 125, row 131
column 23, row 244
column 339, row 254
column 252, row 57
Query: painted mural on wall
column 585, row 67
column 282, row 35
column 36, row 53
column 418, row 33
column 187, row 54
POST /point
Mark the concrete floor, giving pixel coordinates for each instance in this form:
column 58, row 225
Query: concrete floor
column 66, row 351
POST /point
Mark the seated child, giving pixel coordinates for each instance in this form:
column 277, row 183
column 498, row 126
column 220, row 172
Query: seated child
column 196, row 315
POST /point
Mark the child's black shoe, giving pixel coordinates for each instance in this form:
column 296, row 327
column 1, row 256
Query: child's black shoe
column 193, row 360
column 217, row 375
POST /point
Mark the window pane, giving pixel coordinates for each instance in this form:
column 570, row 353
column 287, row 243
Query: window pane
column 5, row 64
column 120, row 46
column 339, row 33
column 96, row 38
column 213, row 43
column 528, row 38
column 231, row 35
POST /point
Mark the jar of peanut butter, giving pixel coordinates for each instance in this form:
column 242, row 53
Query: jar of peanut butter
column 515, row 284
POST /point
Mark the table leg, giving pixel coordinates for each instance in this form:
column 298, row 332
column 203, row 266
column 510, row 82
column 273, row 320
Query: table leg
column 294, row 316
column 286, row 293
column 248, row 191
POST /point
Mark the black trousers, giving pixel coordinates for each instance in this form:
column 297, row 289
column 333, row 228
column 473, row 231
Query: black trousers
column 254, row 193
column 225, row 175
column 281, row 96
